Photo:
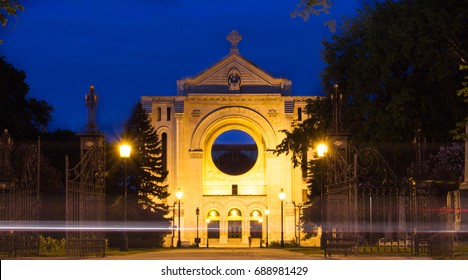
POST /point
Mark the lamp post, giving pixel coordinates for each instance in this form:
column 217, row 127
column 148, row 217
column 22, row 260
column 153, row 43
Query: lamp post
column 173, row 224
column 295, row 222
column 197, row 240
column 299, row 225
column 125, row 151
column 179, row 195
column 260, row 220
column 207, row 232
column 322, row 149
column 267, row 212
column 282, row 196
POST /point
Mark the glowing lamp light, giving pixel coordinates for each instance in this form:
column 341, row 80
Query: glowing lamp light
column 125, row 150
column 208, row 221
column 179, row 195
column 267, row 211
column 322, row 149
column 282, row 195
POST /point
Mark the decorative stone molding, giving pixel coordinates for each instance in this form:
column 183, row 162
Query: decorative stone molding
column 196, row 154
column 270, row 153
column 196, row 113
column 242, row 99
column 272, row 113
column 289, row 117
column 179, row 116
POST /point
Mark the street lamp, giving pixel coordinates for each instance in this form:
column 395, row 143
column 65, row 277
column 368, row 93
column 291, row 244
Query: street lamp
column 322, row 149
column 282, row 196
column 207, row 231
column 197, row 240
column 125, row 151
column 267, row 212
column 179, row 195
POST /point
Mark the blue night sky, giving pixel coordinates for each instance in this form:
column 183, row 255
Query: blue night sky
column 128, row 49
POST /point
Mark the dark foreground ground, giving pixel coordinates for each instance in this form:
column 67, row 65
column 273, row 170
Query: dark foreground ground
column 247, row 254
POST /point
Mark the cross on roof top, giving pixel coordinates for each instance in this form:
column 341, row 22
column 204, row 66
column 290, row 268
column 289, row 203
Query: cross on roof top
column 234, row 37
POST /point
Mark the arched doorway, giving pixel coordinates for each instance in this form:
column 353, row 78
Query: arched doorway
column 256, row 219
column 213, row 225
column 234, row 224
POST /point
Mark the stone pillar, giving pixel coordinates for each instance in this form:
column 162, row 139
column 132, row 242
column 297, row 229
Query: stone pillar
column 223, row 231
column 464, row 192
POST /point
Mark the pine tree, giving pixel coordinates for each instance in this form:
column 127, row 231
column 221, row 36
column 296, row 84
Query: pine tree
column 145, row 168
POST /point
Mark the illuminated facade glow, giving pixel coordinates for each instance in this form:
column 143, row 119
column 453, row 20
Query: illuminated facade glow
column 232, row 95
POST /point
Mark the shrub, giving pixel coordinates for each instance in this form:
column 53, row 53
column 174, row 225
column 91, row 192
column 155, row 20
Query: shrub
column 49, row 245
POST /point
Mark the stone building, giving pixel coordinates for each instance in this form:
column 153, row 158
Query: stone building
column 218, row 134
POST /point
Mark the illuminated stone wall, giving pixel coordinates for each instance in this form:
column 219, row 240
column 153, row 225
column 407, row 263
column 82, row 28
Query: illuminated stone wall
column 205, row 107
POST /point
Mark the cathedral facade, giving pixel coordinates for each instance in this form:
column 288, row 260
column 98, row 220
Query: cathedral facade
column 218, row 135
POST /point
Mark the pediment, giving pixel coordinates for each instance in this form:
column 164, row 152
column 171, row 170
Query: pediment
column 233, row 73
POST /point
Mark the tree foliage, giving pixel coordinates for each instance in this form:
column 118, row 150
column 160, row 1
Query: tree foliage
column 460, row 132
column 305, row 8
column 145, row 168
column 397, row 66
column 448, row 163
column 23, row 116
column 307, row 133
column 9, row 7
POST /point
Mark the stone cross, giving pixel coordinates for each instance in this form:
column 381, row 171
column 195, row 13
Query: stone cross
column 91, row 103
column 234, row 37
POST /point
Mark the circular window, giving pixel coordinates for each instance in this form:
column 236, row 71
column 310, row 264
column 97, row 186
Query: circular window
column 234, row 152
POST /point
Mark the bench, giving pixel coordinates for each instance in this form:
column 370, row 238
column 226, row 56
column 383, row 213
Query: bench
column 346, row 246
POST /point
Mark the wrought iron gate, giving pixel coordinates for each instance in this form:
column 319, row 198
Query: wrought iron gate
column 85, row 201
column 340, row 192
column 19, row 198
column 367, row 206
column 384, row 203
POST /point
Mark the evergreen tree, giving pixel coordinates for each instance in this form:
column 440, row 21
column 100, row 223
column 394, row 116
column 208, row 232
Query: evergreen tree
column 145, row 168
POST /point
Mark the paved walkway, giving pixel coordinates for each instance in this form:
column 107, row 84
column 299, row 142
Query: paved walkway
column 241, row 254
column 216, row 254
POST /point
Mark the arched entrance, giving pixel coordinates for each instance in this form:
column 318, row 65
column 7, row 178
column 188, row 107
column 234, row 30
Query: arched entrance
column 234, row 143
column 234, row 224
column 256, row 220
column 213, row 223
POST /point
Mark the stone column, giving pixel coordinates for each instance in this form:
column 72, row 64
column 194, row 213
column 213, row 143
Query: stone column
column 464, row 192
